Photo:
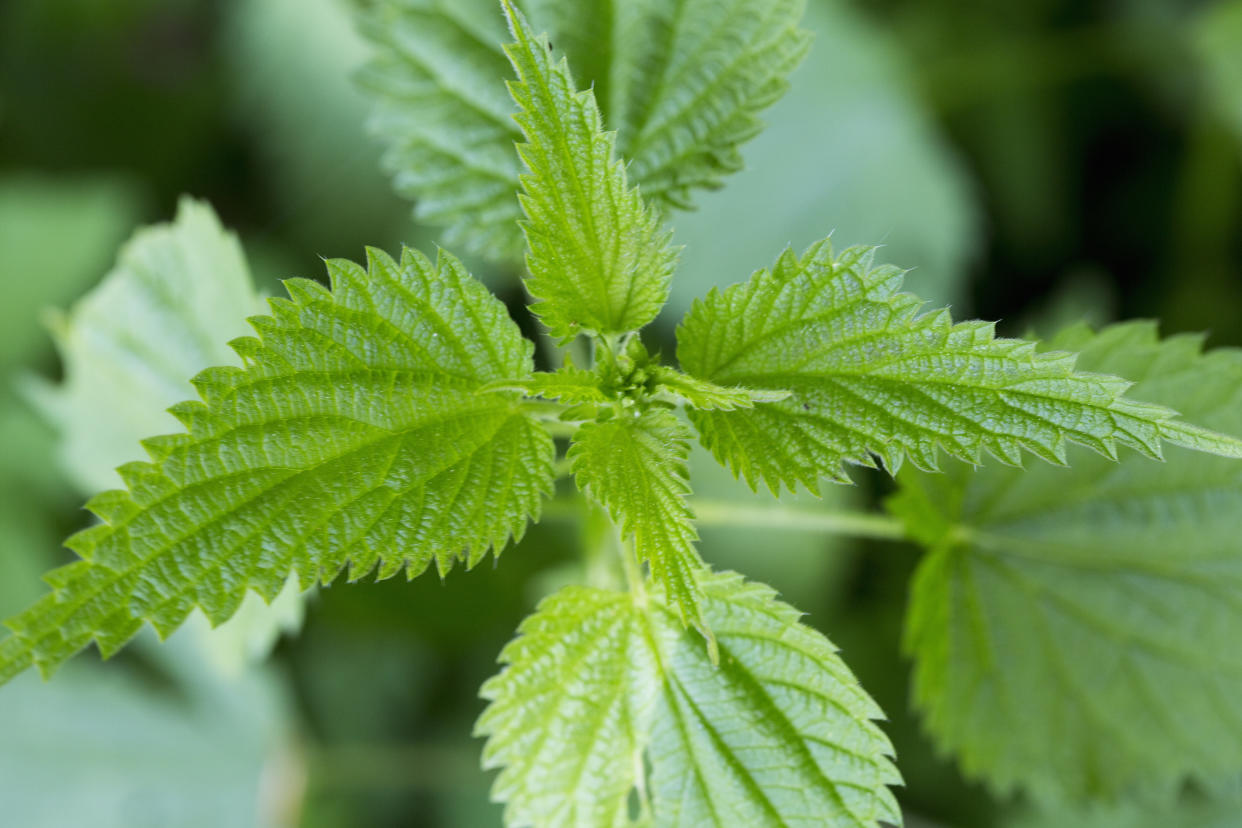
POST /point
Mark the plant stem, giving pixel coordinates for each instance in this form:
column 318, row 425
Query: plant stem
column 734, row 513
column 856, row 524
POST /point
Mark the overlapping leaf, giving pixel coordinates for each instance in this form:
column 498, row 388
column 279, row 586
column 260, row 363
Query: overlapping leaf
column 635, row 466
column 680, row 82
column 778, row 734
column 599, row 259
column 1075, row 630
column 355, row 436
column 178, row 294
column 870, row 376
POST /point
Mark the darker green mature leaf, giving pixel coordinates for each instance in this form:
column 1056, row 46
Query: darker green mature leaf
column 355, row 436
column 680, row 82
column 779, row 733
column 1075, row 630
column 634, row 465
column 599, row 260
column 872, row 377
column 441, row 106
column 702, row 71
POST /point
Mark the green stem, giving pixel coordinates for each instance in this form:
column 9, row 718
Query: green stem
column 789, row 518
column 856, row 524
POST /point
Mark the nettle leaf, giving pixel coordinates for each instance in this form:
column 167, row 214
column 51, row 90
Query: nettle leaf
column 569, row 716
column 1075, row 630
column 871, row 376
column 355, row 436
column 634, row 465
column 437, row 80
column 778, row 733
column 178, row 293
column 681, row 83
column 700, row 73
column 599, row 259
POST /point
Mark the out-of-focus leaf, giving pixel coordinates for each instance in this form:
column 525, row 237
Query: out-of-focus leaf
column 850, row 150
column 178, row 293
column 1198, row 812
column 1075, row 630
column 96, row 748
column 56, row 237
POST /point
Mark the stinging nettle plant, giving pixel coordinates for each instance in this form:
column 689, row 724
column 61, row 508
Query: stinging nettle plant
column 395, row 420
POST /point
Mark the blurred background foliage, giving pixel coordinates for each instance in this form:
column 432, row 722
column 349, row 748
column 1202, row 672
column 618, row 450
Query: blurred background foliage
column 1037, row 162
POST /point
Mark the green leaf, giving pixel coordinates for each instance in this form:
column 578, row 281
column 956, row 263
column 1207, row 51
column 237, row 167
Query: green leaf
column 634, row 465
column 437, row 80
column 569, row 716
column 178, row 293
column 354, row 436
column 97, row 747
column 1075, row 629
column 599, row 259
column 441, row 108
column 697, row 74
column 778, row 733
column 873, row 378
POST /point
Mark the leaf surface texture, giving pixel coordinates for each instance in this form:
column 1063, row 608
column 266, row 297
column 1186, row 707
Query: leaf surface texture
column 872, row 377
column 354, row 436
column 778, row 734
column 1075, row 630
column 681, row 83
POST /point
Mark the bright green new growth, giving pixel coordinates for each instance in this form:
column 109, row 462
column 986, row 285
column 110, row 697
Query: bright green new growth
column 871, row 378
column 355, row 436
column 1075, row 630
column 778, row 733
column 681, row 82
column 634, row 465
column 599, row 261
